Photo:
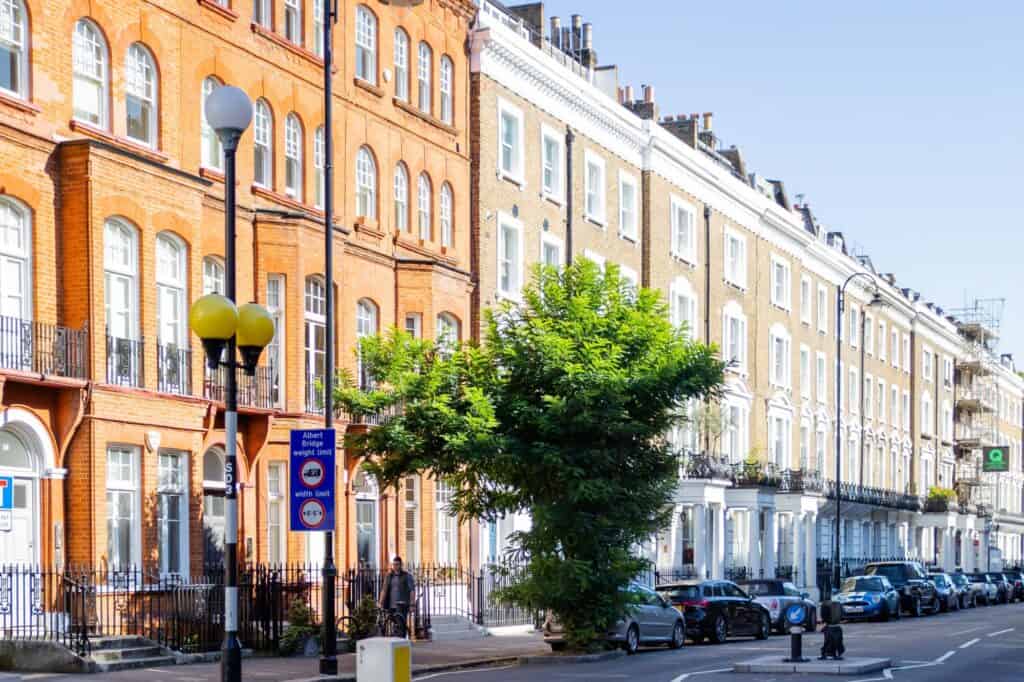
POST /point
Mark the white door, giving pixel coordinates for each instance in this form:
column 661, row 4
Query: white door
column 12, row 308
column 17, row 545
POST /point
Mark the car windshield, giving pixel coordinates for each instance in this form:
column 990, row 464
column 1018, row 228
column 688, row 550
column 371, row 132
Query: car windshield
column 862, row 585
column 959, row 579
column 681, row 593
column 938, row 579
column 894, row 572
column 770, row 589
column 995, row 576
column 978, row 578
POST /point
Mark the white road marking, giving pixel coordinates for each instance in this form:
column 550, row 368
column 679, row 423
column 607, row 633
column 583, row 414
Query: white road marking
column 685, row 676
column 970, row 643
column 944, row 657
column 461, row 672
column 964, row 632
column 1000, row 632
column 887, row 673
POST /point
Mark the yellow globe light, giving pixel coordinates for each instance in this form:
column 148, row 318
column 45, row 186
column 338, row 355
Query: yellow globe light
column 255, row 331
column 214, row 319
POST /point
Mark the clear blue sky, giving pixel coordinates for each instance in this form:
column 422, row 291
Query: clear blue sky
column 901, row 121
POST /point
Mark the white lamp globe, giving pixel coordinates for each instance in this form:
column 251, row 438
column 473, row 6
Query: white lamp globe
column 228, row 109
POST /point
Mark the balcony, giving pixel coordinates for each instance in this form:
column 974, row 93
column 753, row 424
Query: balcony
column 314, row 394
column 975, row 399
column 800, row 481
column 693, row 465
column 755, row 475
column 125, row 362
column 29, row 346
column 877, row 497
column 174, row 369
column 257, row 391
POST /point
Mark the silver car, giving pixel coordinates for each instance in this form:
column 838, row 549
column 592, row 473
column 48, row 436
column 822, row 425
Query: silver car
column 651, row 621
column 779, row 595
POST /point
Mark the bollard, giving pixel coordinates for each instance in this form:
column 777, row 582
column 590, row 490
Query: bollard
column 794, row 617
column 384, row 659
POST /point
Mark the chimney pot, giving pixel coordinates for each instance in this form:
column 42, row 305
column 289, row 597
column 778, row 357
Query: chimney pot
column 649, row 94
column 588, row 36
column 556, row 31
column 577, row 21
column 707, row 121
column 629, row 94
column 669, row 118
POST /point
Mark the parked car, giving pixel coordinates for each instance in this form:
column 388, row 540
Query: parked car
column 867, row 597
column 717, row 609
column 917, row 594
column 1016, row 580
column 1003, row 587
column 967, row 592
column 779, row 595
column 652, row 620
column 949, row 597
column 988, row 592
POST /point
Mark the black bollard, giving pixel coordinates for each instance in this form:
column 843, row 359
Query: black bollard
column 796, row 647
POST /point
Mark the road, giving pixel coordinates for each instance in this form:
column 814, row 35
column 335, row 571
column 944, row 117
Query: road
column 986, row 643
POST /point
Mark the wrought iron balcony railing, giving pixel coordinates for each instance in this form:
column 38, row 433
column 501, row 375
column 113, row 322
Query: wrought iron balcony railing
column 174, row 369
column 125, row 361
column 755, row 475
column 41, row 348
column 253, row 391
column 800, row 481
column 698, row 465
column 879, row 497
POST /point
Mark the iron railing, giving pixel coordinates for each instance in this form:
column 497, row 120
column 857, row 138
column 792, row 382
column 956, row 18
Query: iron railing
column 696, row 465
column 41, row 348
column 253, row 391
column 800, row 481
column 314, row 394
column 125, row 365
column 755, row 475
column 879, row 497
column 174, row 369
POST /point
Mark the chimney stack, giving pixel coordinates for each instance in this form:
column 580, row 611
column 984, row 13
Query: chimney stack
column 707, row 121
column 588, row 36
column 577, row 32
column 556, row 32
column 629, row 94
column 649, row 94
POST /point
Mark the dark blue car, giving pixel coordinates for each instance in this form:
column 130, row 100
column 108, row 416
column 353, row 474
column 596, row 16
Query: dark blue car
column 868, row 597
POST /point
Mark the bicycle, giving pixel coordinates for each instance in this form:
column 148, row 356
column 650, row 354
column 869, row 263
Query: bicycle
column 392, row 622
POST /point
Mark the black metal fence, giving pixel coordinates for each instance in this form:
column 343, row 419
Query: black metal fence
column 174, row 369
column 253, row 391
column 125, row 361
column 42, row 348
column 849, row 566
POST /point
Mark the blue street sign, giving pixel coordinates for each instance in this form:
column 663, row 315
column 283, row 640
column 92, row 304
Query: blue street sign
column 6, row 493
column 312, row 480
column 795, row 614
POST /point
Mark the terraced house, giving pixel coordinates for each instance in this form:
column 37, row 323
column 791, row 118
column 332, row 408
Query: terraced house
column 567, row 164
column 111, row 205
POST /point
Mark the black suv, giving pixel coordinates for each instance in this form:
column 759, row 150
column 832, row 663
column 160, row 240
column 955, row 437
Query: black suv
column 916, row 592
column 1016, row 579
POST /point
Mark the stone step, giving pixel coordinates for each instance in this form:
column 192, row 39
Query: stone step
column 130, row 664
column 456, row 635
column 127, row 642
column 129, row 653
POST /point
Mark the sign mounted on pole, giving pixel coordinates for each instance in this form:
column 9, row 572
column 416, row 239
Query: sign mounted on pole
column 996, row 459
column 312, row 480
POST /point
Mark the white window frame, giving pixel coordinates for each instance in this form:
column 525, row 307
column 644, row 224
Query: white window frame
column 630, row 277
column 400, row 185
column 445, row 215
column 129, row 272
column 214, row 275
column 821, row 377
column 180, row 489
column 90, row 69
column 683, row 306
column 318, row 166
column 780, row 437
column 516, row 147
column 894, row 406
column 869, row 396
column 805, row 371
column 293, row 148
column 132, row 488
column 736, row 435
column 881, row 400
column 735, row 265
column 262, row 13
column 425, row 77
column 401, row 64
column 557, row 243
column 16, row 221
column 277, row 501
column 629, row 219
column 854, row 407
column 447, row 332
column 786, row 300
column 263, row 144
column 447, row 525
column 414, row 325
column 894, row 348
column 854, row 326
column 778, row 333
column 905, row 411
column 447, row 86
column 211, row 148
column 552, row 167
column 869, row 335
column 276, row 348
column 367, row 324
column 595, row 192
column 318, row 27
column 292, row 28
column 425, row 206
column 513, row 288
column 805, row 299
column 883, row 341
column 172, row 285
column 15, row 36
column 366, row 45
column 678, row 207
column 823, row 309
column 928, row 365
column 366, row 184
column 906, row 353
column 734, row 321
column 947, row 371
column 927, row 414
column 142, row 86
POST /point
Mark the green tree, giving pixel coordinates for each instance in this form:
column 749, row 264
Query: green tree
column 560, row 413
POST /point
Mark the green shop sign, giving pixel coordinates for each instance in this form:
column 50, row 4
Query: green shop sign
column 997, row 459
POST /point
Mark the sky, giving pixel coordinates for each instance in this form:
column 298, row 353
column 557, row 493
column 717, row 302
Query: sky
column 901, row 121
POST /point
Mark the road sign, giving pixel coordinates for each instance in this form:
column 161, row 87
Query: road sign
column 796, row 614
column 996, row 459
column 6, row 492
column 312, row 480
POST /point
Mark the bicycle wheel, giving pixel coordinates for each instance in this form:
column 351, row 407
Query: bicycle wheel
column 394, row 625
column 345, row 625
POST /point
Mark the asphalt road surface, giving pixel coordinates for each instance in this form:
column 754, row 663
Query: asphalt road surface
column 985, row 644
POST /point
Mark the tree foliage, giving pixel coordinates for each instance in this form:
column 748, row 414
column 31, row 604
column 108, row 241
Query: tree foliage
column 561, row 413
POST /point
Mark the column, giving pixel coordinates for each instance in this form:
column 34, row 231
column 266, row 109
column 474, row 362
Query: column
column 700, row 540
column 754, row 547
column 810, row 571
column 669, row 548
column 771, row 536
column 718, row 560
column 797, row 532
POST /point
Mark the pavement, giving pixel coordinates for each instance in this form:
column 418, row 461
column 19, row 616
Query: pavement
column 986, row 643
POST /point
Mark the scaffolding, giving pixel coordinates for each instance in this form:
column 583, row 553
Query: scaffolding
column 976, row 397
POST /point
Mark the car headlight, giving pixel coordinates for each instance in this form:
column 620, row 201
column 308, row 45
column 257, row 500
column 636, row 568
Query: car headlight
column 875, row 598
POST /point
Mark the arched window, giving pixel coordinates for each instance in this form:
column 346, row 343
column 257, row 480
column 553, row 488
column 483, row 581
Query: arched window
column 448, row 333
column 401, row 197
column 293, row 157
column 423, row 192
column 212, row 152
column 318, row 164
column 401, row 65
column 316, row 341
column 15, row 247
column 121, row 296
column 366, row 184
column 263, row 145
column 366, row 325
column 90, row 89
column 447, row 524
column 425, row 70
column 14, row 35
column 213, row 276
column 366, row 45
column 447, row 81
column 140, row 84
column 171, row 290
column 446, row 215
column 213, row 506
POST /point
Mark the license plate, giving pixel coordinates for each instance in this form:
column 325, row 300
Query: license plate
column 855, row 609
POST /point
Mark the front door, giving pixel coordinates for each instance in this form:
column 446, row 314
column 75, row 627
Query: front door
column 366, row 533
column 17, row 538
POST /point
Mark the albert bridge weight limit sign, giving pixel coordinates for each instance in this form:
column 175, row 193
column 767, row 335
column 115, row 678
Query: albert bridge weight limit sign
column 312, row 480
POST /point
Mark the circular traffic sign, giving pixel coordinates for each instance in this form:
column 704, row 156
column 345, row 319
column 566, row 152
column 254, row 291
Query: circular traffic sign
column 795, row 614
column 312, row 473
column 995, row 456
column 312, row 513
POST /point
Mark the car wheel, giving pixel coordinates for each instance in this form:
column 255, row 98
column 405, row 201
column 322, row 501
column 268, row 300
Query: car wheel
column 719, row 630
column 766, row 627
column 557, row 646
column 915, row 609
column 678, row 636
column 896, row 614
column 885, row 612
column 632, row 639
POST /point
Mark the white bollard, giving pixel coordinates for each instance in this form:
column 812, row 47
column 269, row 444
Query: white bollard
column 384, row 659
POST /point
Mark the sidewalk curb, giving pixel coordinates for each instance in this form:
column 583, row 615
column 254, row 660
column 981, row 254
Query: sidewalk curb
column 583, row 658
column 436, row 668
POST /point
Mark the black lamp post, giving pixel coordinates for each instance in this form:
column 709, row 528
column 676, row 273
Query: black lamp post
column 876, row 299
column 220, row 325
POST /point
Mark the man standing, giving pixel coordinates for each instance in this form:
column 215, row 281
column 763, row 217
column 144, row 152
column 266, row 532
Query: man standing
column 399, row 592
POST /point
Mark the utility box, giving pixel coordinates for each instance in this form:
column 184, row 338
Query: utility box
column 384, row 659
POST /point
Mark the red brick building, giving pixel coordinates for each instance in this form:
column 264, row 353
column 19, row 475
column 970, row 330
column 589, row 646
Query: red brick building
column 111, row 224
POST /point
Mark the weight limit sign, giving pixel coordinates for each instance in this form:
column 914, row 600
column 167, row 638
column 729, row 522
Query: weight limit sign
column 312, row 480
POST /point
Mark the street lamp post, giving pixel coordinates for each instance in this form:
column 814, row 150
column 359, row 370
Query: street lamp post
column 222, row 328
column 876, row 299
